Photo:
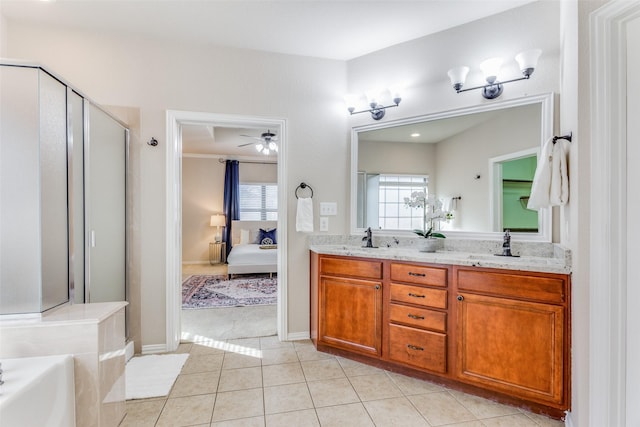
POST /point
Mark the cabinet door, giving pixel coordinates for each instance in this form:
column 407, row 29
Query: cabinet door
column 511, row 346
column 350, row 314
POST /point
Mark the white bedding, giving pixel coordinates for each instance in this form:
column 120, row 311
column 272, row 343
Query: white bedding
column 245, row 259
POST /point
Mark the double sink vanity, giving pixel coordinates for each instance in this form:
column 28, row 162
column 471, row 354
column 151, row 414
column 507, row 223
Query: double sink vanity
column 494, row 326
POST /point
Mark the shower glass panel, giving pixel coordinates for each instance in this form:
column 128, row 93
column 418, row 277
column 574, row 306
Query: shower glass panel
column 105, row 203
column 75, row 109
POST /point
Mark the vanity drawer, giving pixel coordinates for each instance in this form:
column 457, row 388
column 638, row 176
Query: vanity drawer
column 351, row 267
column 419, row 274
column 427, row 297
column 422, row 349
column 540, row 287
column 418, row 317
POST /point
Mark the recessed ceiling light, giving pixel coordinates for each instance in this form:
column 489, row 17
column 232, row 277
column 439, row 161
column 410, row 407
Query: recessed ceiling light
column 415, row 135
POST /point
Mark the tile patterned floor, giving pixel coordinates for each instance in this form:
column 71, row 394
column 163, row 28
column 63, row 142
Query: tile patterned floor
column 263, row 382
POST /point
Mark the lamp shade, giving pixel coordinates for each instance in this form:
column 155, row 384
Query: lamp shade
column 217, row 221
column 490, row 68
column 458, row 76
column 528, row 60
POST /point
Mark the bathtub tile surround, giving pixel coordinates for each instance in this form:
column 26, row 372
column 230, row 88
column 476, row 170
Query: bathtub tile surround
column 320, row 390
column 95, row 335
column 533, row 256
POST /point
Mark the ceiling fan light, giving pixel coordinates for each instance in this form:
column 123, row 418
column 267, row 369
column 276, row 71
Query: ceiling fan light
column 272, row 146
column 265, row 151
column 259, row 147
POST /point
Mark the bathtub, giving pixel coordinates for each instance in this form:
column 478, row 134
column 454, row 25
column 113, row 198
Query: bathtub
column 37, row 392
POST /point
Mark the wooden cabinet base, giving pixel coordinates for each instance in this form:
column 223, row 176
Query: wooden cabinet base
column 500, row 334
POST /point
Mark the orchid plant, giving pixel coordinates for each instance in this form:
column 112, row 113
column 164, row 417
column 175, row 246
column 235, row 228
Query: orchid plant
column 433, row 213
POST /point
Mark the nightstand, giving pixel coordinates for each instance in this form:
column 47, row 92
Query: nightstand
column 217, row 253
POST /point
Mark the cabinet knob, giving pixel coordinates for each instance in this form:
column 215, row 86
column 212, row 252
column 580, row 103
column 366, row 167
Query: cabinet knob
column 460, row 298
column 377, row 287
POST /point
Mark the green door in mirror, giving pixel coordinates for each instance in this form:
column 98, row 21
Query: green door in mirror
column 517, row 177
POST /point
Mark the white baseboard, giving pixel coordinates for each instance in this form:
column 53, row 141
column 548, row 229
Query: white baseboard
column 298, row 336
column 195, row 262
column 568, row 421
column 154, row 348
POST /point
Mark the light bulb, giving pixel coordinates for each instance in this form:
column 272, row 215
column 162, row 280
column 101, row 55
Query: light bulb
column 259, row 147
column 490, row 69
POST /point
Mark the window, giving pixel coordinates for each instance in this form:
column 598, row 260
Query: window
column 392, row 212
column 258, row 202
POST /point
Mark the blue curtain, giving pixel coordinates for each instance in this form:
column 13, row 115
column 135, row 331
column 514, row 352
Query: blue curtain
column 231, row 199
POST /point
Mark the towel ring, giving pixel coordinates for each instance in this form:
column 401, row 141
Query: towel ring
column 303, row 186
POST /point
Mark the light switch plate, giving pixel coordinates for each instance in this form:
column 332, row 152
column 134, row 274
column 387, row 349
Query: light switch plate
column 328, row 208
column 324, row 223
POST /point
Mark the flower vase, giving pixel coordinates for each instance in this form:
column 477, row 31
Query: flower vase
column 430, row 244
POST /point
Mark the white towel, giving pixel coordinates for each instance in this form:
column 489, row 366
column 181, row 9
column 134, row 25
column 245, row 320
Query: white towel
column 559, row 194
column 304, row 215
column 551, row 182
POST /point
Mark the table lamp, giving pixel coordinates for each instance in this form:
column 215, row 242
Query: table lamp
column 218, row 221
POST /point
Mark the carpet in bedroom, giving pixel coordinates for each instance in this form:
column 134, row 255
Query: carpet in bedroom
column 206, row 291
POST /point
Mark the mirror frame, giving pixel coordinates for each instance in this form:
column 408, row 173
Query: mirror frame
column 546, row 102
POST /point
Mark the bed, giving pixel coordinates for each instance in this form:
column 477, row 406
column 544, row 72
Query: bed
column 247, row 256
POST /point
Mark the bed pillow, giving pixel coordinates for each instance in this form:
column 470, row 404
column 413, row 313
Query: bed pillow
column 267, row 237
column 244, row 237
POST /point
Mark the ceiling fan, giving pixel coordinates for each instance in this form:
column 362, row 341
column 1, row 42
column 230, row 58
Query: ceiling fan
column 267, row 142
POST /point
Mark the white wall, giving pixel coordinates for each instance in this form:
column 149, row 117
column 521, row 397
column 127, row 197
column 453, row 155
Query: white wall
column 422, row 64
column 159, row 75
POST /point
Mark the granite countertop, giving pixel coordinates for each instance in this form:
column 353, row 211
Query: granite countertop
column 547, row 264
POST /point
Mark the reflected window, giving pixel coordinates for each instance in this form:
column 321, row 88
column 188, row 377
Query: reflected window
column 385, row 206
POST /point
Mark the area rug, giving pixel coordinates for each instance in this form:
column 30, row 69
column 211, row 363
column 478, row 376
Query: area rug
column 153, row 375
column 216, row 291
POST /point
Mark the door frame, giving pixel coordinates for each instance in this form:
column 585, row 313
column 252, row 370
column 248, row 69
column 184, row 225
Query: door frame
column 608, row 266
column 175, row 119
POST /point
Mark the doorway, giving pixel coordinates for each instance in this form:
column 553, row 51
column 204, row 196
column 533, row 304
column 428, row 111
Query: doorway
column 176, row 121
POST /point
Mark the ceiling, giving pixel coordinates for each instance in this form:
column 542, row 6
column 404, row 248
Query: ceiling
column 330, row 29
column 224, row 141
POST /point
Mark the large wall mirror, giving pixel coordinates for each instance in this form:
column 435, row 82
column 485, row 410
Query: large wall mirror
column 478, row 161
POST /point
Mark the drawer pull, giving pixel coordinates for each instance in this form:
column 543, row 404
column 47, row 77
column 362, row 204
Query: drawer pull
column 415, row 295
column 411, row 273
column 414, row 347
column 413, row 316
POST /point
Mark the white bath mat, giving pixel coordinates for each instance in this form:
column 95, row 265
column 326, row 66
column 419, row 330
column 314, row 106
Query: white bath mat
column 152, row 376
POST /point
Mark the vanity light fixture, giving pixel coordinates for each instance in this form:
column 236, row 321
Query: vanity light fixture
column 376, row 109
column 527, row 61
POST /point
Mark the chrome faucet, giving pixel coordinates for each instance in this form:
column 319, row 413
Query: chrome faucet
column 367, row 238
column 506, row 244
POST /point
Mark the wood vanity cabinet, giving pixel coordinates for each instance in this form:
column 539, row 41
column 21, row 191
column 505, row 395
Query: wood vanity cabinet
column 513, row 333
column 349, row 301
column 504, row 334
